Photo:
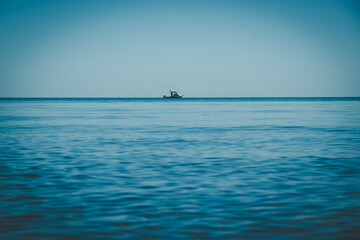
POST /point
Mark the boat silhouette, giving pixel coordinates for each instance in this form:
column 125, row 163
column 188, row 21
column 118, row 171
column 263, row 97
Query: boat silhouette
column 173, row 94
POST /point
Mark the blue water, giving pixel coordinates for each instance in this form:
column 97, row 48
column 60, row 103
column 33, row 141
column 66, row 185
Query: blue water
column 268, row 168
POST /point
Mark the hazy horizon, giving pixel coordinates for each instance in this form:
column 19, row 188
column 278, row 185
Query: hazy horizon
column 199, row 48
column 351, row 98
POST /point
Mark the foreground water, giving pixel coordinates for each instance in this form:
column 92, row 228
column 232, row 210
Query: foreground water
column 179, row 169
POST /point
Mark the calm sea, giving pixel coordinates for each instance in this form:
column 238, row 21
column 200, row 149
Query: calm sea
column 223, row 168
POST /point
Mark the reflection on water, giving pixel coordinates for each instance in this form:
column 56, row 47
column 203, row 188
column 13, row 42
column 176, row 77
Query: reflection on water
column 162, row 169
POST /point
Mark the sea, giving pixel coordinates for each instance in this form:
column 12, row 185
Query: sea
column 191, row 168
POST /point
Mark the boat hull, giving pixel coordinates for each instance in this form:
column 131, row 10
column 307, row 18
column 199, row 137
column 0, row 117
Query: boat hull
column 172, row 96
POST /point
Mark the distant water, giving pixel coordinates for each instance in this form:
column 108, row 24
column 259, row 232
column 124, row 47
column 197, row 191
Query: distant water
column 238, row 168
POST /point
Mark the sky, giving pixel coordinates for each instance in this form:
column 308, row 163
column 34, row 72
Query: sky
column 141, row 48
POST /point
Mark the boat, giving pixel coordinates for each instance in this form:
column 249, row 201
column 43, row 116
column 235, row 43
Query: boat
column 173, row 94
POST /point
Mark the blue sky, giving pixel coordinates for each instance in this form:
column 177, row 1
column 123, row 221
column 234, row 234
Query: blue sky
column 200, row 48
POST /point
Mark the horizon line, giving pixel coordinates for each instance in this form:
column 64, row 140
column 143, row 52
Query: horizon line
column 157, row 97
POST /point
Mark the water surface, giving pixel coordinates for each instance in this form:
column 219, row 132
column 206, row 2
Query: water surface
column 268, row 168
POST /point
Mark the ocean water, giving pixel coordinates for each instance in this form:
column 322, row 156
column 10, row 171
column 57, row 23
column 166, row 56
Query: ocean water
column 238, row 168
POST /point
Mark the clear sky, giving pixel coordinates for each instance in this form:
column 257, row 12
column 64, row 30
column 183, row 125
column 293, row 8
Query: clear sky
column 142, row 48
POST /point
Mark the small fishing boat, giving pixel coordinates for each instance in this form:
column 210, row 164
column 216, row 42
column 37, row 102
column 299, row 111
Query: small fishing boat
column 173, row 94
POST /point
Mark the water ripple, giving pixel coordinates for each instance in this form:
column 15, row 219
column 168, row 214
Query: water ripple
column 142, row 169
